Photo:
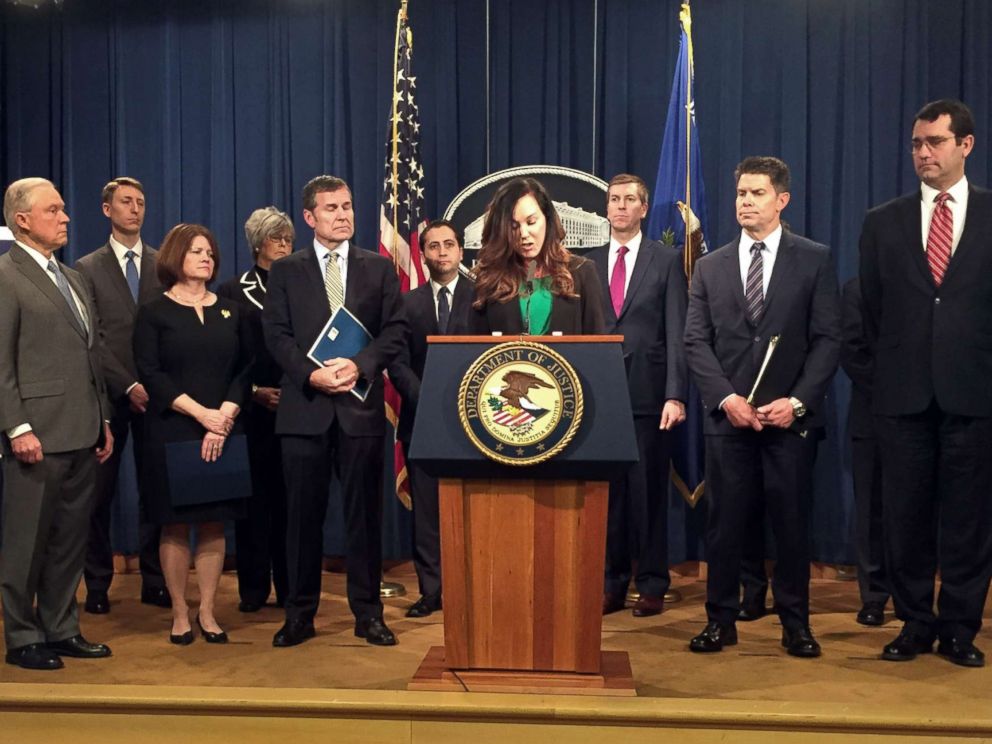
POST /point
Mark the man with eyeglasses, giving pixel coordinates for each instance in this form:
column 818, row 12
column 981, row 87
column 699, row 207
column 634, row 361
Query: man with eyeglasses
column 122, row 276
column 925, row 261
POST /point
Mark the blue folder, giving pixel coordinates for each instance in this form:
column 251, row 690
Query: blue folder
column 193, row 480
column 343, row 336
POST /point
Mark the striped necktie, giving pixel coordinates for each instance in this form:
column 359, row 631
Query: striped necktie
column 754, row 294
column 332, row 282
column 939, row 238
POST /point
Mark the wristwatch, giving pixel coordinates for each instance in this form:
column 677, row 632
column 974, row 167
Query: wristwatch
column 254, row 388
column 798, row 409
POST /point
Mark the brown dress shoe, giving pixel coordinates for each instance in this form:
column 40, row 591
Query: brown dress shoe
column 647, row 606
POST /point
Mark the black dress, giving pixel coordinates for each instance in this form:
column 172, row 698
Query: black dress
column 211, row 362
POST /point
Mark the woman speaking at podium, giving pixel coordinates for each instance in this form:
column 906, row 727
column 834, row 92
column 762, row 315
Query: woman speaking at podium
column 526, row 280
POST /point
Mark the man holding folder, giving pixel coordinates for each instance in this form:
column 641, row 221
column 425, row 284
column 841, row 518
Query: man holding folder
column 762, row 340
column 320, row 422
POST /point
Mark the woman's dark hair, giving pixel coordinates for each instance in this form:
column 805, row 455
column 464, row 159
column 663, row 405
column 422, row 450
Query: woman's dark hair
column 501, row 269
column 175, row 246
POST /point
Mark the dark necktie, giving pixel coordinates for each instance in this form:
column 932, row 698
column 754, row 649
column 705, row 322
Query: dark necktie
column 443, row 310
column 63, row 286
column 131, row 273
column 939, row 238
column 619, row 280
column 754, row 294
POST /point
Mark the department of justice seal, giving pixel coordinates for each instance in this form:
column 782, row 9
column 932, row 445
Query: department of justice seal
column 520, row 403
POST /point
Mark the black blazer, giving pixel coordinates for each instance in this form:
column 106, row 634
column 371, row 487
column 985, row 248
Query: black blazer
column 249, row 291
column 928, row 343
column 652, row 322
column 855, row 359
column 802, row 307
column 117, row 310
column 578, row 316
column 296, row 311
column 408, row 369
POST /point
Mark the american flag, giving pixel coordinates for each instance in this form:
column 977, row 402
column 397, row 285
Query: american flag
column 402, row 209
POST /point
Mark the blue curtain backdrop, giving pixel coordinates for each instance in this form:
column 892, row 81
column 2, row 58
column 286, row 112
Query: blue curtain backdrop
column 221, row 107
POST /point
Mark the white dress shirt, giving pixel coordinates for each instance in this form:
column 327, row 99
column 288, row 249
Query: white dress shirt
column 436, row 288
column 768, row 255
column 958, row 204
column 628, row 260
column 120, row 250
column 341, row 253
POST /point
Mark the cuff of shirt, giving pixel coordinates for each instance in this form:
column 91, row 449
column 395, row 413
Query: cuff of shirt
column 725, row 400
column 18, row 430
column 131, row 387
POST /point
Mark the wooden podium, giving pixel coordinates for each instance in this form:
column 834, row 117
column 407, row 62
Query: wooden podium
column 523, row 548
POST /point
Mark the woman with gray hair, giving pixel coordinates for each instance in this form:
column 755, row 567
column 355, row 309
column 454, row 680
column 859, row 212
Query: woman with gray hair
column 261, row 535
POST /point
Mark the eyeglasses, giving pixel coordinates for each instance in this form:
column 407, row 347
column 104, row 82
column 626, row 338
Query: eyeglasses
column 932, row 143
column 284, row 239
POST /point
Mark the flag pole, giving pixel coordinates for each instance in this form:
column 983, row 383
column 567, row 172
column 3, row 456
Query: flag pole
column 685, row 18
column 395, row 180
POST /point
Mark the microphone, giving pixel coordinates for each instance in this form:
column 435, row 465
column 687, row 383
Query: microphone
column 531, row 275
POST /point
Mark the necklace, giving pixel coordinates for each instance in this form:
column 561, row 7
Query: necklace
column 187, row 300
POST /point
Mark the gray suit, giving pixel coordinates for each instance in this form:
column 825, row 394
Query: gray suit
column 116, row 310
column 50, row 377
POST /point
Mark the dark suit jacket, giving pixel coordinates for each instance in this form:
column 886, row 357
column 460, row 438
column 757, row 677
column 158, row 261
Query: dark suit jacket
column 408, row 369
column 116, row 310
column 249, row 290
column 50, row 374
column 928, row 343
column 296, row 311
column 855, row 358
column 802, row 307
column 652, row 322
column 581, row 315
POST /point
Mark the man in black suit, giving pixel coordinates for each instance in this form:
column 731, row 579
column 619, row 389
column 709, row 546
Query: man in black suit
column 53, row 408
column 644, row 299
column 122, row 276
column 439, row 307
column 866, row 466
column 769, row 283
column 320, row 421
column 925, row 262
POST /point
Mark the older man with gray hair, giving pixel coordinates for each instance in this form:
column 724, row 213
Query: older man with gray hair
column 53, row 414
column 261, row 536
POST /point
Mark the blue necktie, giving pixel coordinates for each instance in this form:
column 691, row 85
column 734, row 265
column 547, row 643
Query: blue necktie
column 63, row 286
column 131, row 274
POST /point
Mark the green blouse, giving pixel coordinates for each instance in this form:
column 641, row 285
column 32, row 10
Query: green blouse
column 535, row 308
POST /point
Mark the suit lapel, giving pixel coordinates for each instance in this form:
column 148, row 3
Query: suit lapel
column 460, row 307
column 312, row 271
column 112, row 270
column 83, row 295
column 784, row 266
column 732, row 273
column 974, row 230
column 147, row 284
column 645, row 255
column 428, row 311
column 911, row 224
column 33, row 272
column 356, row 278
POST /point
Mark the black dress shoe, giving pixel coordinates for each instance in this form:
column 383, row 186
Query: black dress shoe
column 424, row 607
column 906, row 647
column 646, row 606
column 181, row 639
column 713, row 638
column 613, row 603
column 293, row 633
column 245, row 606
column 374, row 631
column 751, row 611
column 871, row 614
column 79, row 648
column 97, row 602
column 801, row 643
column 961, row 652
column 156, row 595
column 209, row 636
column 34, row 656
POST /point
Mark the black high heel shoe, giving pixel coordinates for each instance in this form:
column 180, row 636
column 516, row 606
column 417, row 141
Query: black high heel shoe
column 208, row 636
column 183, row 639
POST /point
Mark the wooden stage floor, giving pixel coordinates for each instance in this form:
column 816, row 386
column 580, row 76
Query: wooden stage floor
column 339, row 687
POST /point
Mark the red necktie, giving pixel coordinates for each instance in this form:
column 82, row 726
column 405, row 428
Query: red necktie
column 939, row 238
column 618, row 280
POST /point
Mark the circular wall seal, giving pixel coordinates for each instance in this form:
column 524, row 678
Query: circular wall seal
column 520, row 403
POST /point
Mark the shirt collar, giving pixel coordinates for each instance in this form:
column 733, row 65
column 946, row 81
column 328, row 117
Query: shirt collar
column 322, row 250
column 958, row 192
column 632, row 245
column 120, row 249
column 38, row 256
column 436, row 287
column 771, row 241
